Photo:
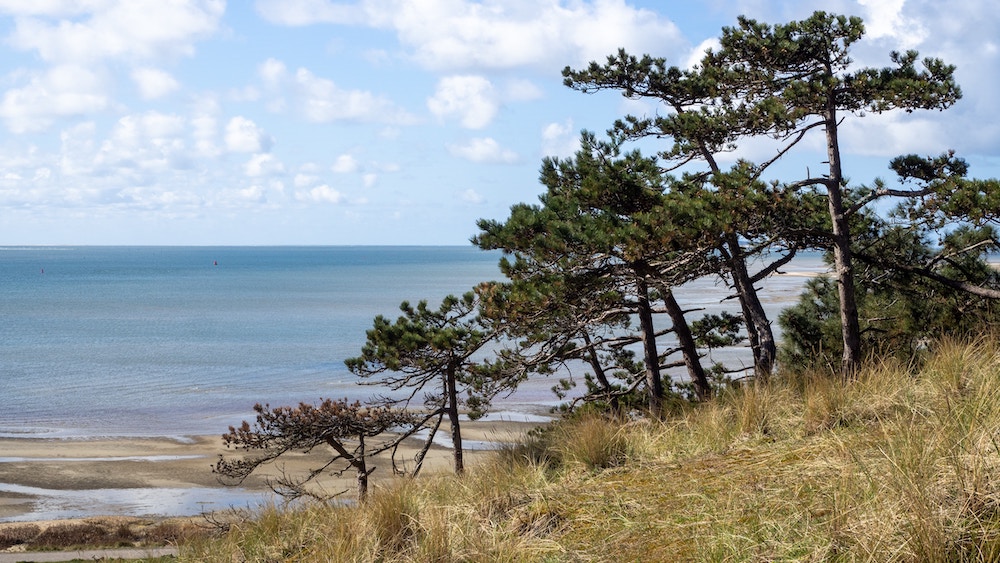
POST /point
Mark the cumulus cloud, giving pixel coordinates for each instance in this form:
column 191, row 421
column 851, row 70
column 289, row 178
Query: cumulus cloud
column 263, row 165
column 62, row 32
column 144, row 143
column 885, row 18
column 77, row 149
column 302, row 180
column 698, row 53
column 498, row 34
column 560, row 139
column 154, row 83
column 80, row 41
column 243, row 135
column 345, row 164
column 320, row 194
column 470, row 99
column 306, row 12
column 254, row 194
column 495, row 34
column 65, row 90
column 204, row 130
column 320, row 100
column 483, row 150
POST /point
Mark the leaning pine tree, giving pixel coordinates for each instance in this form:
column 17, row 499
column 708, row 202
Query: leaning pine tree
column 433, row 351
column 799, row 77
column 780, row 82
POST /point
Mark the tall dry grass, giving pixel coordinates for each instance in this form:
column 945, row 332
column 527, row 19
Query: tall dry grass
column 900, row 464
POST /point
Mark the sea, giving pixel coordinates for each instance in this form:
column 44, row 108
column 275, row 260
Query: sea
column 184, row 341
column 179, row 341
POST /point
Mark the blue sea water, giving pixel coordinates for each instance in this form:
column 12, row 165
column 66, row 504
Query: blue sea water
column 115, row 341
column 173, row 341
column 182, row 341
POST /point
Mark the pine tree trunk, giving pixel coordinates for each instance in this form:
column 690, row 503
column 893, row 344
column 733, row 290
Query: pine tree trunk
column 456, row 431
column 651, row 358
column 702, row 388
column 762, row 341
column 419, row 459
column 602, row 378
column 842, row 259
column 362, row 470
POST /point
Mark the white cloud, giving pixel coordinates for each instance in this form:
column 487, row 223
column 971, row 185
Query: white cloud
column 77, row 149
column 469, row 98
column 158, row 198
column 61, row 8
column 263, row 165
column 142, row 143
column 98, row 30
column 66, row 90
column 305, row 12
column 79, row 39
column 321, row 194
column 204, row 130
column 891, row 134
column 304, row 180
column 320, row 100
column 253, row 194
column 369, row 180
column 472, row 196
column 560, row 139
column 243, row 135
column 462, row 34
column 272, row 72
column 483, row 150
column 42, row 174
column 495, row 34
column 345, row 164
column 698, row 53
column 154, row 83
column 885, row 18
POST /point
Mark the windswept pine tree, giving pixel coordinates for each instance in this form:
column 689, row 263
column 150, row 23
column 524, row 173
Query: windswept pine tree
column 603, row 248
column 347, row 428
column 782, row 82
column 433, row 352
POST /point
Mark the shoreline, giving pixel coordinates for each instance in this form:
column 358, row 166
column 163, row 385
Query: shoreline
column 45, row 479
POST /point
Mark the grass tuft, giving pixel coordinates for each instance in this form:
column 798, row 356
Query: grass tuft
column 900, row 464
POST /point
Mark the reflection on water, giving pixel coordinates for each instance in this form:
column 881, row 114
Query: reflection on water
column 52, row 504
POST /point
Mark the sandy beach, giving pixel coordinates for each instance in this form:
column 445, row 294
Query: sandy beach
column 43, row 479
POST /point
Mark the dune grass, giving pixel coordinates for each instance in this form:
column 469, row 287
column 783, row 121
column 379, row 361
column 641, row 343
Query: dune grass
column 901, row 464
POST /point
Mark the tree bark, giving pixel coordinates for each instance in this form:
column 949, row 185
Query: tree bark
column 651, row 358
column 843, row 263
column 762, row 342
column 702, row 388
column 602, row 378
column 419, row 460
column 456, row 431
column 362, row 470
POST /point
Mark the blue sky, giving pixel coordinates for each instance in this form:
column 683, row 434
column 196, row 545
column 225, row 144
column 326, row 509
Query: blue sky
column 380, row 121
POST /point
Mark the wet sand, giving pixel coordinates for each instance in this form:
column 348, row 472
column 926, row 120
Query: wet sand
column 42, row 479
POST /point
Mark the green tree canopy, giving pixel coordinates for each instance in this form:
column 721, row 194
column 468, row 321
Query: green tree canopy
column 434, row 351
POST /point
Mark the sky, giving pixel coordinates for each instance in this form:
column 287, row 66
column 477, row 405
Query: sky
column 397, row 122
